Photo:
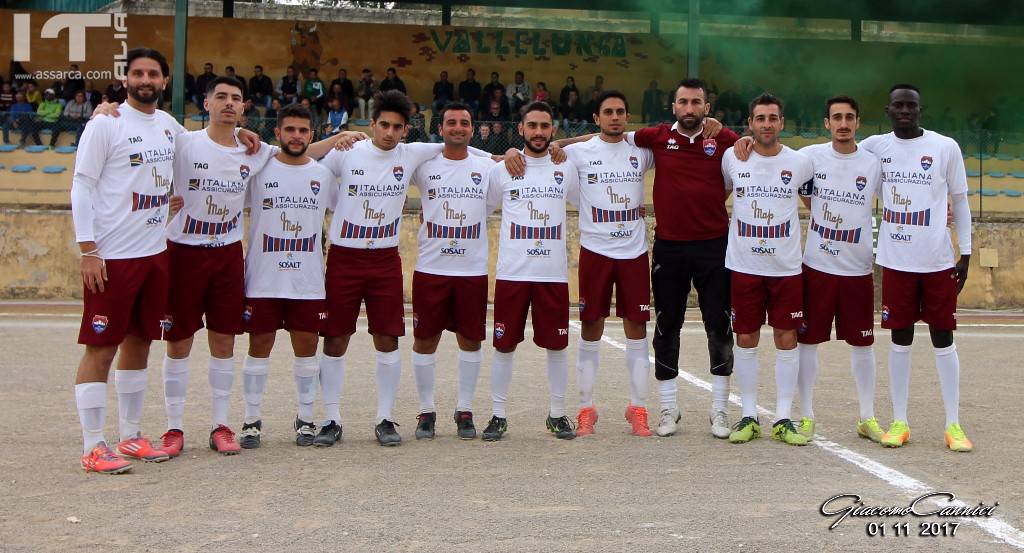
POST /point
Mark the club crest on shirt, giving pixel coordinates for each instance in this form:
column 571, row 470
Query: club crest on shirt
column 314, row 185
column 166, row 323
column 710, row 146
column 558, row 177
column 634, row 162
column 786, row 176
column 247, row 313
column 99, row 323
column 926, row 162
column 398, row 172
column 861, row 183
column 170, row 137
column 499, row 330
column 244, row 171
column 476, row 177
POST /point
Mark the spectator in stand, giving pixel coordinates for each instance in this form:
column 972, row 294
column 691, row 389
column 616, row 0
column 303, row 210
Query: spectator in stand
column 47, row 117
column 505, row 139
column 33, row 95
column 651, row 109
column 76, row 114
column 444, row 92
column 289, row 86
column 94, row 96
column 417, row 128
column 666, row 108
column 76, row 82
column 481, row 137
column 348, row 91
column 497, row 109
column 364, row 93
column 570, row 86
column 591, row 107
column 230, row 72
column 337, row 117
column 315, row 90
column 22, row 115
column 519, row 93
column 489, row 88
column 541, row 94
column 470, row 91
column 598, row 87
column 201, row 83
column 6, row 101
column 261, row 88
column 270, row 120
column 304, row 102
column 574, row 115
column 58, row 90
column 392, row 82
column 335, row 92
column 250, row 118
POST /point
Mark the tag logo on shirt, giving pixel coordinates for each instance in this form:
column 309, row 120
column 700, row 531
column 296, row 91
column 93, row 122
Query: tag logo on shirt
column 314, row 185
column 244, row 171
column 268, row 203
column 99, row 324
column 170, row 137
column 786, row 176
column 193, row 184
column 558, row 177
column 476, row 177
column 861, row 183
column 353, row 190
column 398, row 172
column 499, row 330
column 634, row 162
column 926, row 162
column 671, row 145
column 710, row 146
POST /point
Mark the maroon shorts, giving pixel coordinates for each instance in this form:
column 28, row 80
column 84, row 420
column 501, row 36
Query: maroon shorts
column 850, row 300
column 548, row 302
column 264, row 315
column 357, row 275
column 134, row 301
column 632, row 280
column 205, row 281
column 911, row 297
column 455, row 303
column 754, row 295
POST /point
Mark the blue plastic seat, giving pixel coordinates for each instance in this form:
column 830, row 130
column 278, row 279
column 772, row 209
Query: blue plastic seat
column 54, row 169
column 8, row 147
column 199, row 117
column 36, row 149
column 997, row 174
column 1011, row 193
column 988, row 192
column 1004, row 157
column 23, row 168
column 66, row 149
column 973, row 173
column 1017, row 174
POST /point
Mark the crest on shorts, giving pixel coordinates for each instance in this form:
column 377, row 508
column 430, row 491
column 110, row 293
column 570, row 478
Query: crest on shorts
column 166, row 323
column 710, row 146
column 861, row 183
column 558, row 177
column 476, row 177
column 415, row 320
column 314, row 185
column 786, row 176
column 170, row 137
column 247, row 313
column 803, row 328
column 499, row 330
column 732, row 316
column 398, row 172
column 583, row 304
column 885, row 313
column 99, row 323
column 634, row 162
column 926, row 162
column 244, row 171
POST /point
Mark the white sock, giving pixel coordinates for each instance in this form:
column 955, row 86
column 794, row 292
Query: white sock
column 305, row 370
column 587, row 360
column 91, row 398
column 668, row 394
column 332, row 380
column 805, row 381
column 423, row 368
column 131, row 391
column 254, row 383
column 469, row 373
column 221, row 377
column 389, row 372
column 501, row 379
column 638, row 367
column 947, row 362
column 899, row 380
column 719, row 392
column 787, row 372
column 862, row 364
column 558, row 380
column 745, row 367
column 175, row 372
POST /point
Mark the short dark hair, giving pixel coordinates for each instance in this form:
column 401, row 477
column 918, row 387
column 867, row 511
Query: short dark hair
column 455, row 106
column 692, row 83
column 610, row 94
column 258, row 66
column 904, row 86
column 537, row 106
column 391, row 70
column 138, row 53
column 313, row 70
column 224, row 79
column 393, row 101
column 765, row 99
column 842, row 99
column 294, row 110
column 229, row 68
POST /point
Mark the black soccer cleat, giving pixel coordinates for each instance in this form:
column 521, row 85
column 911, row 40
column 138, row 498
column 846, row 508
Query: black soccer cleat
column 249, row 437
column 561, row 427
column 496, row 428
column 464, row 423
column 305, row 432
column 425, row 426
column 329, row 435
column 386, row 433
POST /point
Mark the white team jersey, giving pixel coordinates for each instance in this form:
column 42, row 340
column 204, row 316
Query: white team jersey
column 533, row 222
column 212, row 180
column 764, row 233
column 917, row 176
column 453, row 236
column 611, row 179
column 286, row 207
column 839, row 232
column 131, row 158
column 373, row 184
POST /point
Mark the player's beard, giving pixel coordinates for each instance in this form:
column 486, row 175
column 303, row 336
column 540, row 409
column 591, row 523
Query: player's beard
column 529, row 145
column 619, row 132
column 136, row 95
column 691, row 122
column 287, row 149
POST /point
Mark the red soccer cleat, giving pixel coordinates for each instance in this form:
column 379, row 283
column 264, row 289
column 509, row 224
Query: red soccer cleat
column 172, row 442
column 637, row 418
column 585, row 421
column 140, row 448
column 102, row 460
column 222, row 440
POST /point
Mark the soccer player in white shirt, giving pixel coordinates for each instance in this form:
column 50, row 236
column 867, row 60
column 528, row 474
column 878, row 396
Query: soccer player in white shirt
column 284, row 271
column 920, row 281
column 532, row 271
column 449, row 286
column 613, row 252
column 764, row 257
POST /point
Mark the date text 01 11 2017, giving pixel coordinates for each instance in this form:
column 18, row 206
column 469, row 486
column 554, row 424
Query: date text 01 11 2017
column 847, row 505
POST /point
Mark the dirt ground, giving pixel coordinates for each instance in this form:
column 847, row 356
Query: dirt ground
column 531, row 492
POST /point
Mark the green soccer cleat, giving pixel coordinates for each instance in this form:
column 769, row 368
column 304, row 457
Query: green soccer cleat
column 806, row 428
column 870, row 429
column 898, row 434
column 956, row 440
column 745, row 430
column 784, row 431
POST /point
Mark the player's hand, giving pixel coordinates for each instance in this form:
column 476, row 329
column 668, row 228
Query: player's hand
column 94, row 273
column 515, row 162
column 712, row 127
column 643, row 211
column 960, row 272
column 106, row 108
column 557, row 153
column 175, row 205
column 348, row 139
column 743, row 147
column 250, row 140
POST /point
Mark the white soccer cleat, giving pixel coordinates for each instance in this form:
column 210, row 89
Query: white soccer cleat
column 668, row 422
column 720, row 424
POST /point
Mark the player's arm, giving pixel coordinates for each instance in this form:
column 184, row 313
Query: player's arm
column 727, row 158
column 341, row 141
column 495, row 187
column 89, row 162
column 572, row 188
column 563, row 142
column 956, row 177
column 515, row 160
